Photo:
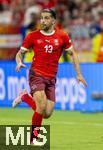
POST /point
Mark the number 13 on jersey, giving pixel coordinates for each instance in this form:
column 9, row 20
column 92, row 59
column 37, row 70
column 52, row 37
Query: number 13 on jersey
column 48, row 48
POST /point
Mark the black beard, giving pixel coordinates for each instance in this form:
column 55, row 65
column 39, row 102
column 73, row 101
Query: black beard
column 46, row 28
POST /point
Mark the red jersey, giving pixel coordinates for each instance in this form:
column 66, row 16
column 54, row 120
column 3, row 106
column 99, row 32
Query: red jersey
column 48, row 49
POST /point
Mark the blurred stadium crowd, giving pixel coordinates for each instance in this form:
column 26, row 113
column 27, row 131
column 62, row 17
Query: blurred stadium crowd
column 82, row 19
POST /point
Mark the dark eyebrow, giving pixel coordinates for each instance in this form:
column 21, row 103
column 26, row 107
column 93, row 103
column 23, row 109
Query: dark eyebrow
column 46, row 16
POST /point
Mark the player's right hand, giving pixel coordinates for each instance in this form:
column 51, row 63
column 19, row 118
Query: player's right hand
column 19, row 66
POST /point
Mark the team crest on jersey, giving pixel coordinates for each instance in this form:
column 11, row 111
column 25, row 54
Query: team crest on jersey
column 56, row 42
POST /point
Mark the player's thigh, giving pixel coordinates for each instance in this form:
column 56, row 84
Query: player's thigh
column 49, row 108
column 50, row 90
column 40, row 98
column 50, row 93
column 36, row 82
column 37, row 89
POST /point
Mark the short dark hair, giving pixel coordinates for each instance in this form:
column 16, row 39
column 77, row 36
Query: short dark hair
column 51, row 11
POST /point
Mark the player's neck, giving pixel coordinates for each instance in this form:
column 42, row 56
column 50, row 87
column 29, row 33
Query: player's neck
column 49, row 32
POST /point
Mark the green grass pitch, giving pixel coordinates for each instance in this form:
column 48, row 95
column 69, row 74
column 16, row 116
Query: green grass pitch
column 70, row 130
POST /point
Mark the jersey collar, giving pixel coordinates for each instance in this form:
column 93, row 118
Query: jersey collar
column 47, row 34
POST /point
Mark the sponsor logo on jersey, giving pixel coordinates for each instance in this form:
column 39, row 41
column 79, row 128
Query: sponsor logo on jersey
column 47, row 41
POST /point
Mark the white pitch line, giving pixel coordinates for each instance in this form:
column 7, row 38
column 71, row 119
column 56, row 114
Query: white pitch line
column 53, row 122
column 75, row 123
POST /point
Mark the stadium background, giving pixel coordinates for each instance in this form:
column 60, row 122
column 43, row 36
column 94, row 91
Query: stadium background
column 83, row 20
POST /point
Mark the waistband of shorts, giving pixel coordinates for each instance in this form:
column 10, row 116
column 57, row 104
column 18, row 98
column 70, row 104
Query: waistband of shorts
column 37, row 72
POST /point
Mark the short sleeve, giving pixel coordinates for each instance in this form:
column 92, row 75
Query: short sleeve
column 28, row 42
column 67, row 42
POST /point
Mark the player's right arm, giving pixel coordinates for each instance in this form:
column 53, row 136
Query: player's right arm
column 26, row 45
column 19, row 60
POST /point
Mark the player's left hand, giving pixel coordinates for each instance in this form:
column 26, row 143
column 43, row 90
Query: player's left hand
column 81, row 79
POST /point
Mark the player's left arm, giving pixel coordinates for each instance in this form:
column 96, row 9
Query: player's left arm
column 74, row 56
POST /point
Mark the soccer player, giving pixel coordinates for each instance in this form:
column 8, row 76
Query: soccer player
column 48, row 44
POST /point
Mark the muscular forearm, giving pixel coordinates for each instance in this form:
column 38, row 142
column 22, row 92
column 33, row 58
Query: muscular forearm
column 76, row 65
column 19, row 57
column 76, row 62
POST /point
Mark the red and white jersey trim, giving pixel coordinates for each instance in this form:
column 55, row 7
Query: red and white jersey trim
column 47, row 34
column 69, row 48
column 24, row 49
